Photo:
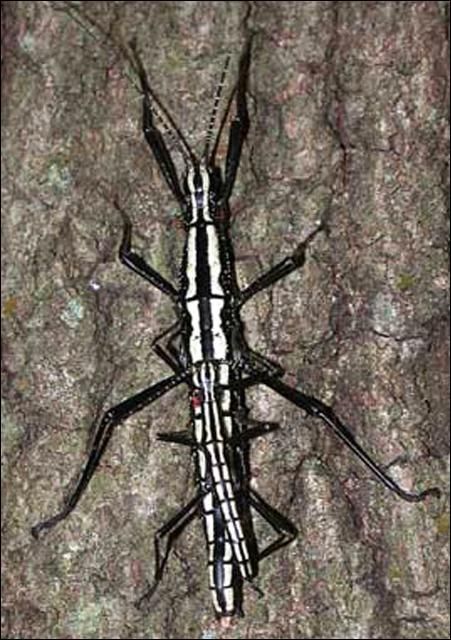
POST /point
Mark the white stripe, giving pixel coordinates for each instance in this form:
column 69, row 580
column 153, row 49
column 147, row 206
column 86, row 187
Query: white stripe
column 211, row 451
column 228, row 553
column 191, row 262
column 206, row 190
column 207, row 381
column 198, row 430
column 209, row 528
column 226, row 474
column 208, row 502
column 224, row 374
column 215, row 601
column 190, row 181
column 234, row 510
column 214, row 261
column 225, row 401
column 195, row 343
column 228, row 595
column 208, row 433
column 228, row 426
column 202, row 464
column 217, row 477
column 196, row 380
column 219, row 490
column 237, row 553
column 219, row 339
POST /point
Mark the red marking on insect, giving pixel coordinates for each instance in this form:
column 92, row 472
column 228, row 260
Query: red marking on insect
column 197, row 398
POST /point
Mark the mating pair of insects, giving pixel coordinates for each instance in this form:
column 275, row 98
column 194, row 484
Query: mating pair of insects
column 206, row 350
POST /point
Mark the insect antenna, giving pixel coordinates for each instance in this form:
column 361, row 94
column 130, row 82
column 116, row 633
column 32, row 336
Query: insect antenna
column 172, row 135
column 214, row 111
column 221, row 126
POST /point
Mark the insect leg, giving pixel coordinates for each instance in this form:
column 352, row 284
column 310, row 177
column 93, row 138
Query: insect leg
column 101, row 438
column 254, row 429
column 258, row 360
column 168, row 353
column 279, row 270
column 152, row 134
column 239, row 126
column 136, row 263
column 169, row 532
column 252, row 360
column 318, row 409
column 160, row 151
column 286, row 531
column 184, row 436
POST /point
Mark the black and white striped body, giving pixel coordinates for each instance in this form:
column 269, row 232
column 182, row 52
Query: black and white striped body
column 220, row 469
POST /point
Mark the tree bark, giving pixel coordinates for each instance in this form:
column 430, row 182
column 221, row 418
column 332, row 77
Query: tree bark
column 349, row 106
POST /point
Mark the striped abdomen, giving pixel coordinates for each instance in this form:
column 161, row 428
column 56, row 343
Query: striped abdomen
column 228, row 549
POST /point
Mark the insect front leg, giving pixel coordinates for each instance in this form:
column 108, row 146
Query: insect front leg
column 169, row 532
column 168, row 352
column 239, row 126
column 160, row 151
column 100, row 441
column 152, row 134
column 137, row 264
column 318, row 409
column 281, row 269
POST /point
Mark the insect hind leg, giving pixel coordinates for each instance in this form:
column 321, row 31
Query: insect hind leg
column 318, row 409
column 170, row 531
column 286, row 531
column 101, row 439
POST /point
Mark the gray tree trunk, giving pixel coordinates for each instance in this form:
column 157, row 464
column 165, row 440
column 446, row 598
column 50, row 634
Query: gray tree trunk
column 349, row 110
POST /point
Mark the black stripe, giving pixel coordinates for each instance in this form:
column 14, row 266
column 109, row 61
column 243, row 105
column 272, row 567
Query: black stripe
column 205, row 328
column 203, row 289
column 213, row 296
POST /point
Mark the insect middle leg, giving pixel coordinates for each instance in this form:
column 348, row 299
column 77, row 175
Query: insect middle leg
column 100, row 441
column 137, row 263
column 281, row 269
column 168, row 352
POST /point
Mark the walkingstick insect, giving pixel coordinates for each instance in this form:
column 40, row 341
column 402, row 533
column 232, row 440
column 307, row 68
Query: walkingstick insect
column 206, row 350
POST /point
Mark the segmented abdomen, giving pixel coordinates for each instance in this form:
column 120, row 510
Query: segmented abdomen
column 226, row 539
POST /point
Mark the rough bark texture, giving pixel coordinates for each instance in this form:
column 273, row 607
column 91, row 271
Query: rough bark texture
column 349, row 120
